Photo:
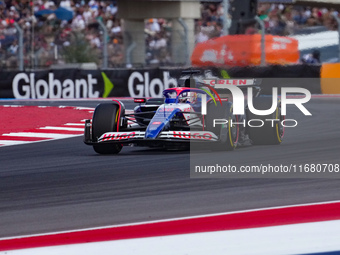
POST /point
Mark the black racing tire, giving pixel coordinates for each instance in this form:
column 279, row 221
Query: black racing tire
column 270, row 133
column 227, row 133
column 105, row 119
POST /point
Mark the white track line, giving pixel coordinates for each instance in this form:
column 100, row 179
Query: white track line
column 173, row 219
column 85, row 108
column 62, row 128
column 42, row 135
column 74, row 124
column 10, row 142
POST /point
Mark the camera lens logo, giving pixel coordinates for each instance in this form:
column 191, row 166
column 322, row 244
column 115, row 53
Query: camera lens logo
column 239, row 97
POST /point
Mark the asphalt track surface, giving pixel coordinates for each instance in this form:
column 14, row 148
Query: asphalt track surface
column 64, row 185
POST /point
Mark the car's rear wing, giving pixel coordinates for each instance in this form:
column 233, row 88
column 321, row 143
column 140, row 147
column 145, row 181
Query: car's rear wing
column 191, row 72
column 221, row 83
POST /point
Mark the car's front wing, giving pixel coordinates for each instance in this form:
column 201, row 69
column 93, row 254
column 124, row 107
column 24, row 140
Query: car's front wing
column 138, row 137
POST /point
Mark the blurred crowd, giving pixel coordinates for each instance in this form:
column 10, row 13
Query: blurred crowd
column 211, row 23
column 158, row 39
column 279, row 19
column 51, row 36
column 285, row 20
column 47, row 37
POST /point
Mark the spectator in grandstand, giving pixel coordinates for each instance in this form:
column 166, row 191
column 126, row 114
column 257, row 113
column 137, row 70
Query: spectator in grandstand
column 13, row 49
column 312, row 58
column 116, row 52
column 78, row 23
column 153, row 26
column 210, row 26
column 202, row 36
column 116, row 28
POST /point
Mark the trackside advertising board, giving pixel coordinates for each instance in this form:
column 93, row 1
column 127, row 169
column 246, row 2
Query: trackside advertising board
column 76, row 83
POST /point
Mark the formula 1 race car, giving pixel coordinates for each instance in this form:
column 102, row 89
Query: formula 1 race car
column 200, row 110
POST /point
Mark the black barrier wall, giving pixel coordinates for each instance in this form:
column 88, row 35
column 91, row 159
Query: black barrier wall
column 77, row 83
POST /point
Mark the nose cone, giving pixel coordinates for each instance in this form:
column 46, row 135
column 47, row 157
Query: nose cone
column 161, row 118
column 153, row 130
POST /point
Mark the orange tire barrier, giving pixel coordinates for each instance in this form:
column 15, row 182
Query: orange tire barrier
column 245, row 50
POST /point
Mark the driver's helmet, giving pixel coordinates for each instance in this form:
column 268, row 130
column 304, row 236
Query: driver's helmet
column 188, row 97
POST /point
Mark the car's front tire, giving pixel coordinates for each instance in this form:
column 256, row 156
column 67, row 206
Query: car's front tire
column 106, row 119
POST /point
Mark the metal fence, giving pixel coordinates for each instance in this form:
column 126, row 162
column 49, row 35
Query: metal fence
column 40, row 48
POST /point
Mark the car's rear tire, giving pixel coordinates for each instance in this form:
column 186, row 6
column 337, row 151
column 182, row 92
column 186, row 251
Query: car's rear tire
column 105, row 119
column 271, row 133
column 228, row 133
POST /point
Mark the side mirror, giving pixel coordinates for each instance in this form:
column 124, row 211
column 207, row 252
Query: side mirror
column 139, row 100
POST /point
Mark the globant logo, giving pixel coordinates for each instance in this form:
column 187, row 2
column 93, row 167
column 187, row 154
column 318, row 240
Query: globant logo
column 140, row 85
column 26, row 86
